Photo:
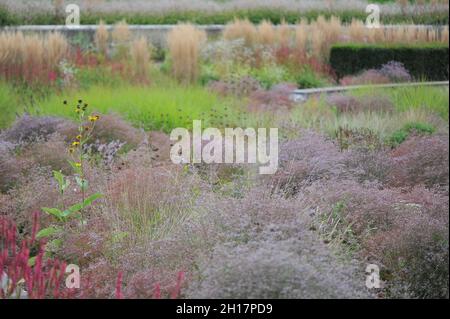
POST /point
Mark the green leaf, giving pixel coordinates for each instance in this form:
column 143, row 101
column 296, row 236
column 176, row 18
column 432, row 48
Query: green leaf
column 72, row 209
column 82, row 183
column 59, row 178
column 77, row 207
column 47, row 232
column 63, row 182
column 88, row 201
column 54, row 212
column 32, row 261
column 76, row 169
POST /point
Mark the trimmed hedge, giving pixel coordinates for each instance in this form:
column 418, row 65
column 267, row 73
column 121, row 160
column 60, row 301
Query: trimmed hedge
column 204, row 17
column 426, row 61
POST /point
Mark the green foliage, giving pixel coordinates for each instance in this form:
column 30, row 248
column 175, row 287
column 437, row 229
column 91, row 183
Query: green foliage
column 203, row 17
column 63, row 214
column 308, row 79
column 7, row 105
column 420, row 128
column 6, row 17
column 429, row 61
column 270, row 75
column 208, row 74
column 434, row 100
column 87, row 77
column 161, row 107
column 399, row 136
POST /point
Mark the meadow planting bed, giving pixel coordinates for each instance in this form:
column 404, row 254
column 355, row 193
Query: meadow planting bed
column 41, row 12
column 86, row 176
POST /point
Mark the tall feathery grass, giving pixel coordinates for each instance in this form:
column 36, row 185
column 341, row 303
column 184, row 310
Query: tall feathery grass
column 184, row 42
column 266, row 33
column 316, row 37
column 31, row 58
column 101, row 39
column 241, row 29
column 121, row 37
column 284, row 34
column 140, row 58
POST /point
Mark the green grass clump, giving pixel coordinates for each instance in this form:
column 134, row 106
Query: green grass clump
column 434, row 100
column 204, row 17
column 8, row 105
column 413, row 108
column 309, row 79
column 150, row 108
column 399, row 136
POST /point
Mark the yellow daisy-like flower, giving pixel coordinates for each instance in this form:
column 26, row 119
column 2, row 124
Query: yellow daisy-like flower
column 78, row 137
column 94, row 118
column 78, row 164
column 75, row 143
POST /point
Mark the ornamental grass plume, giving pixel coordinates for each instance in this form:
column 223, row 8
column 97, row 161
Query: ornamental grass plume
column 184, row 42
column 445, row 35
column 56, row 47
column 301, row 37
column 121, row 36
column 101, row 38
column 283, row 34
column 325, row 34
column 241, row 29
column 140, row 58
column 31, row 58
column 357, row 31
column 266, row 33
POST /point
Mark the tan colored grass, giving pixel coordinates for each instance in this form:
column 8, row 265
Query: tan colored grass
column 422, row 35
column 58, row 6
column 375, row 35
column 101, row 38
column 241, row 29
column 31, row 57
column 266, row 33
column 184, row 43
column 284, row 34
column 57, row 48
column 140, row 57
column 121, row 32
column 357, row 31
column 333, row 32
column 301, row 37
column 433, row 35
column 317, row 41
column 410, row 33
column 444, row 35
column 121, row 37
column 325, row 33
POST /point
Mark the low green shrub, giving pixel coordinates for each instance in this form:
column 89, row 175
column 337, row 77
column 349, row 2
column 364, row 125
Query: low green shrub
column 255, row 15
column 429, row 61
column 6, row 17
column 7, row 105
column 309, row 79
column 152, row 108
column 270, row 75
column 399, row 136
